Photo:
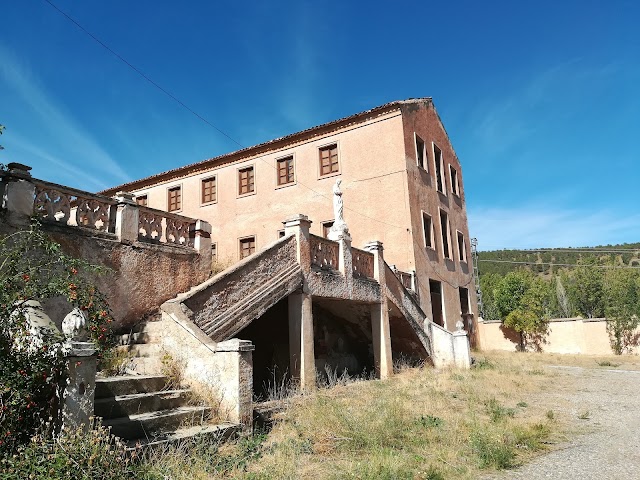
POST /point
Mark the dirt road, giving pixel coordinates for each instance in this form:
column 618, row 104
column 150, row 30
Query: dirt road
column 602, row 408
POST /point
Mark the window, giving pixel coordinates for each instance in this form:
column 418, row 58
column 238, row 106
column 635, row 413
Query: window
column 326, row 228
column 329, row 160
column 209, row 192
column 437, row 304
column 446, row 235
column 142, row 200
column 455, row 187
column 285, row 171
column 175, row 199
column 437, row 159
column 280, row 233
column 421, row 154
column 462, row 247
column 247, row 246
column 246, row 182
column 427, row 229
column 214, row 252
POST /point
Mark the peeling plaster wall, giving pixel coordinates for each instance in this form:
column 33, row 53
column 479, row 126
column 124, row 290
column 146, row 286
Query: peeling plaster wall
column 142, row 275
column 423, row 196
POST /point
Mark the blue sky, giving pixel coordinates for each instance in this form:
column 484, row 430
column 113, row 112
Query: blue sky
column 539, row 98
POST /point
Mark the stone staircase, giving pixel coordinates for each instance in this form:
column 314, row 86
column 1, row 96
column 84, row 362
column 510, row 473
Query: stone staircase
column 143, row 407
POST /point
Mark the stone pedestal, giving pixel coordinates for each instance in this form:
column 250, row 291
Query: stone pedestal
column 127, row 224
column 235, row 364
column 299, row 226
column 301, row 347
column 461, row 349
column 79, row 394
column 18, row 194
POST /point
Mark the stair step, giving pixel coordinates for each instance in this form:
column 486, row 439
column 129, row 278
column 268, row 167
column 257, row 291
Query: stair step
column 146, row 365
column 129, row 384
column 218, row 432
column 133, row 338
column 142, row 350
column 151, row 424
column 126, row 405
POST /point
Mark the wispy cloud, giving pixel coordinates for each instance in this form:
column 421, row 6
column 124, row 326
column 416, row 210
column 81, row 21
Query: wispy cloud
column 62, row 133
column 514, row 115
column 537, row 226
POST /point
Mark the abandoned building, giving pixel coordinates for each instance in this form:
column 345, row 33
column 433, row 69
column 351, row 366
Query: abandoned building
column 402, row 185
column 345, row 248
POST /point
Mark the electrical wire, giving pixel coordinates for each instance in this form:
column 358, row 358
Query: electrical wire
column 186, row 107
column 576, row 265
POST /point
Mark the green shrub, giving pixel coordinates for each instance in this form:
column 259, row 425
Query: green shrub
column 491, row 451
column 34, row 268
column 94, row 455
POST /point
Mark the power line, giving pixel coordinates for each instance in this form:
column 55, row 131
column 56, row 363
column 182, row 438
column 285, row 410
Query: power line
column 576, row 265
column 135, row 69
column 186, row 107
column 569, row 250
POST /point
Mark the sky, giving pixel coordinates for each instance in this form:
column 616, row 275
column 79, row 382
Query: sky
column 540, row 99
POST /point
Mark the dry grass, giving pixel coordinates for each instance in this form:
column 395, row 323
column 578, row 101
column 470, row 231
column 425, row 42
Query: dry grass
column 420, row 424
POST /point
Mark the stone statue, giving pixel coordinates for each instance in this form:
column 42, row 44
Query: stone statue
column 338, row 205
column 339, row 228
column 74, row 325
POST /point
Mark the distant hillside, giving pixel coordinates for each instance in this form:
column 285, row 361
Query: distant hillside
column 546, row 261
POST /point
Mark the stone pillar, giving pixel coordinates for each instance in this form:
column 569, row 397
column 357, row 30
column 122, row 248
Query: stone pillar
column 127, row 215
column 79, row 394
column 461, row 348
column 202, row 241
column 236, row 380
column 380, row 315
column 301, row 348
column 299, row 226
column 18, row 194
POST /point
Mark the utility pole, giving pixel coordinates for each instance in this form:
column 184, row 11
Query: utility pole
column 476, row 275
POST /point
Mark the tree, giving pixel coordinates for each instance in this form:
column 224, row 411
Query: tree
column 488, row 285
column 524, row 301
column 33, row 267
column 587, row 289
column 622, row 308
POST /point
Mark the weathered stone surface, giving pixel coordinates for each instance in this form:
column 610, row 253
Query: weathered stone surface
column 230, row 301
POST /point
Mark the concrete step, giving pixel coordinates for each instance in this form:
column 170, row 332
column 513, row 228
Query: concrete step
column 109, row 387
column 142, row 350
column 133, row 338
column 149, row 425
column 146, row 365
column 152, row 328
column 127, row 405
column 217, row 432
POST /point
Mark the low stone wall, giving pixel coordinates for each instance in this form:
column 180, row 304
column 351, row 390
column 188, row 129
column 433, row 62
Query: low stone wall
column 565, row 335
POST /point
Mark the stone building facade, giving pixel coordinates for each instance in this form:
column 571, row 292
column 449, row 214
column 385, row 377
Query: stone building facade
column 401, row 182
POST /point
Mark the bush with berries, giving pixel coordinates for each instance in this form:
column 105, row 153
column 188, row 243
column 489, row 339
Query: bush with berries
column 32, row 373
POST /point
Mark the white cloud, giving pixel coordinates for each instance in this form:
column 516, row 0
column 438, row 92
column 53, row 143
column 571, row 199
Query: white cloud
column 538, row 226
column 62, row 132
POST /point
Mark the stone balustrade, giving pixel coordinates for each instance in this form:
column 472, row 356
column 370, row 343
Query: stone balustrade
column 362, row 263
column 68, row 206
column 159, row 226
column 324, row 253
column 406, row 278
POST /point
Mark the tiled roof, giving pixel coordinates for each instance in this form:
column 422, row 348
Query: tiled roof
column 244, row 152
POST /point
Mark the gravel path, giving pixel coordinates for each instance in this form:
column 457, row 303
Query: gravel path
column 604, row 446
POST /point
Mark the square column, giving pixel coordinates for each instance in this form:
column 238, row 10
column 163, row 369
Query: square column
column 127, row 226
column 301, row 349
column 380, row 316
column 299, row 226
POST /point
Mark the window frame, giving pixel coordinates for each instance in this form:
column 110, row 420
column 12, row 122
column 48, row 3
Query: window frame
column 141, row 196
column 168, row 197
column 438, row 166
column 326, row 229
column 294, row 176
column 425, row 157
column 251, row 167
column 215, row 180
column 327, row 146
column 244, row 239
column 463, row 258
column 446, row 255
column 214, row 251
column 432, row 239
column 281, row 234
column 455, row 185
